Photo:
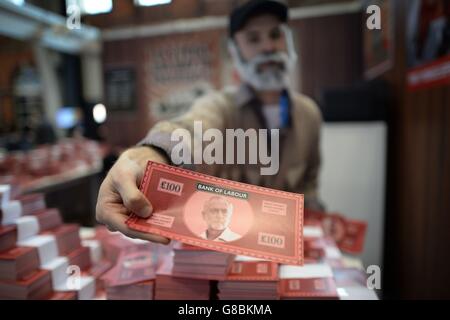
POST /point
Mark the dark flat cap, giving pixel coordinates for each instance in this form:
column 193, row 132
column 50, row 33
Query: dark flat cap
column 240, row 15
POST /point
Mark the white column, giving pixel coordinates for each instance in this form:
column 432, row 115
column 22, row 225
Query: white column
column 92, row 73
column 51, row 91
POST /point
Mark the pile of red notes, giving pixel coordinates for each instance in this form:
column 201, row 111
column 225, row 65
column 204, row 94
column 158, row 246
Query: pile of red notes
column 136, row 291
column 37, row 251
column 32, row 202
column 37, row 165
column 124, row 268
column 8, row 237
column 349, row 234
column 133, row 274
column 310, row 281
column 170, row 287
column 250, row 279
column 198, row 263
column 67, row 238
column 68, row 295
column 35, row 285
column 314, row 244
column 320, row 248
column 18, row 262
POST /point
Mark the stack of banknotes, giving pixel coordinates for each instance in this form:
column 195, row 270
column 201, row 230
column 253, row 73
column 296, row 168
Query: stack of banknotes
column 37, row 250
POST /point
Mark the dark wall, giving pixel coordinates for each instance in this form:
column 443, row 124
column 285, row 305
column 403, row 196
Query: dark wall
column 417, row 258
column 330, row 52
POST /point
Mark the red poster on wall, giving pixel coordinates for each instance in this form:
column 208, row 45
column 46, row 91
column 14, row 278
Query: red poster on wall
column 428, row 36
column 379, row 43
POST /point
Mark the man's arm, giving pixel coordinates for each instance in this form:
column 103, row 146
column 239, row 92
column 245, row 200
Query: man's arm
column 119, row 194
column 213, row 111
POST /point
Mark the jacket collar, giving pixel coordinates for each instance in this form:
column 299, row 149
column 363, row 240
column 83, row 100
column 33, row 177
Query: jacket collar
column 246, row 97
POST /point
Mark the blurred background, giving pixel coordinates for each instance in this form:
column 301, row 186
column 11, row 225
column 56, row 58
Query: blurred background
column 82, row 80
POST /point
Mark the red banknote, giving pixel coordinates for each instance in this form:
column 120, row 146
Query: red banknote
column 349, row 234
column 222, row 215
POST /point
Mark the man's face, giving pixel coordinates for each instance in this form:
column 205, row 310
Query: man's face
column 261, row 53
column 217, row 214
column 261, row 35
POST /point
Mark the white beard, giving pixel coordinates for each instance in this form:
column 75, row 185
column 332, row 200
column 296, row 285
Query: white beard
column 274, row 77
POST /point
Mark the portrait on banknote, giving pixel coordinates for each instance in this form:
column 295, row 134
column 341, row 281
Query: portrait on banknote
column 217, row 217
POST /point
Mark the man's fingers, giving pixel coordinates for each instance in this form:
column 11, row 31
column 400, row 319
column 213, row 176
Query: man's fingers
column 117, row 221
column 134, row 200
column 118, row 195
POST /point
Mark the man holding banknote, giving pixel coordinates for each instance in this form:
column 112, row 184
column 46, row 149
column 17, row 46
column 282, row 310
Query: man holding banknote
column 262, row 48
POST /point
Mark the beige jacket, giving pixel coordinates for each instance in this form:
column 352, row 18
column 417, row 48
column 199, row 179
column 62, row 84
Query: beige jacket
column 235, row 108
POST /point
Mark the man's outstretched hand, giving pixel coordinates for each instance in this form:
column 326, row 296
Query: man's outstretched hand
column 119, row 194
